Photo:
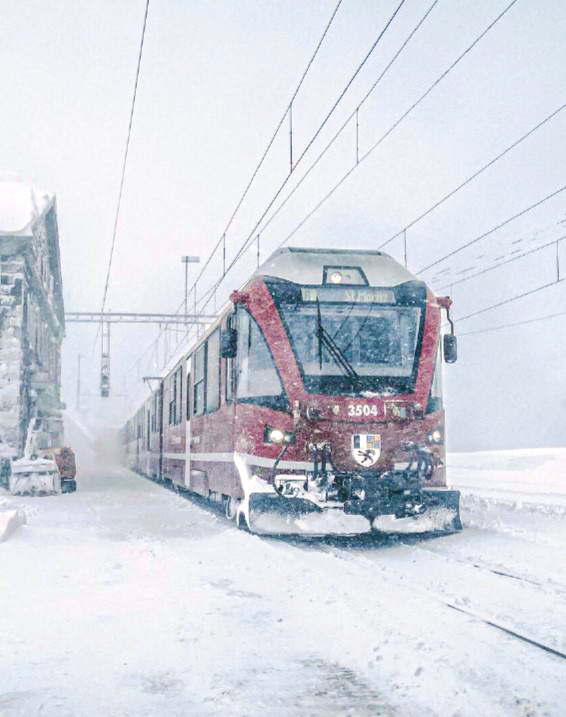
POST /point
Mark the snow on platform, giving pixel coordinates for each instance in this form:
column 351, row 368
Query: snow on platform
column 127, row 599
column 11, row 517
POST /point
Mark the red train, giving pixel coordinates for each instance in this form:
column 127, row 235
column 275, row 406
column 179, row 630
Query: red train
column 313, row 404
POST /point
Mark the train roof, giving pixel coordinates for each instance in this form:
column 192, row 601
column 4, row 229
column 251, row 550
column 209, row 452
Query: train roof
column 311, row 266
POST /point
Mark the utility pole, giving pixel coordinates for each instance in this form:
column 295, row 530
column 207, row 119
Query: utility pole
column 105, row 360
column 186, row 261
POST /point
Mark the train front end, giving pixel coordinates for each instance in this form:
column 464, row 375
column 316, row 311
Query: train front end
column 338, row 381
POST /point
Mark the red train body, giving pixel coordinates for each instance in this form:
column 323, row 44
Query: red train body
column 313, row 404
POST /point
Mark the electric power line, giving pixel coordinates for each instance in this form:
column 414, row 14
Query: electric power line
column 516, row 323
column 123, row 170
column 509, row 301
column 476, row 174
column 353, row 114
column 391, row 129
column 491, row 231
column 251, row 237
column 503, row 263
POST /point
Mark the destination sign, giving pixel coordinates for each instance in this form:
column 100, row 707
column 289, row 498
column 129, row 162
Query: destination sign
column 347, row 295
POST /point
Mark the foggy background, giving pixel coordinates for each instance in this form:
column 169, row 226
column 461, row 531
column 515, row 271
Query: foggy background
column 216, row 78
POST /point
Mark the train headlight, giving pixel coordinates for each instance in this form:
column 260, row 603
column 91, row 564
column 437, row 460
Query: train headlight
column 277, row 436
column 436, row 436
column 336, row 277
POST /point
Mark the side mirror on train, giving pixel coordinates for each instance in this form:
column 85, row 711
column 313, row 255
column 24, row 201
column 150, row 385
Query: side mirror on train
column 450, row 348
column 229, row 343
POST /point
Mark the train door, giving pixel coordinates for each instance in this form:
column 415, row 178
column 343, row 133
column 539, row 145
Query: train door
column 160, row 428
column 212, row 451
column 188, row 433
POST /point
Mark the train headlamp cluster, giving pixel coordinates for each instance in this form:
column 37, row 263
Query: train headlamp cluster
column 436, row 436
column 277, row 436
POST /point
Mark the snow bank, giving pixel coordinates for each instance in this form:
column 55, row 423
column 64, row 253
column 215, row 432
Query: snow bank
column 20, row 205
column 11, row 517
column 520, row 493
column 527, row 478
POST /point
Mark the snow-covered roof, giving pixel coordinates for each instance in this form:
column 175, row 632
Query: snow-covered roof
column 21, row 206
column 307, row 266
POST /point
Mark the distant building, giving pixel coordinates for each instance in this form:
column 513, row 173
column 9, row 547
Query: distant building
column 32, row 318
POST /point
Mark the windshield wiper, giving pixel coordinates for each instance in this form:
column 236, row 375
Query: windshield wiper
column 326, row 340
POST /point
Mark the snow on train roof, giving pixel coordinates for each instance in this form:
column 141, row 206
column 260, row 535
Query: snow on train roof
column 306, row 266
column 20, row 205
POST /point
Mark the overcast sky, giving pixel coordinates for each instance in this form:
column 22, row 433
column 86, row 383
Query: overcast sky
column 215, row 80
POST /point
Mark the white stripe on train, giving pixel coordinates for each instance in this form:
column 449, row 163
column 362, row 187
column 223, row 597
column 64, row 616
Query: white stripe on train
column 249, row 459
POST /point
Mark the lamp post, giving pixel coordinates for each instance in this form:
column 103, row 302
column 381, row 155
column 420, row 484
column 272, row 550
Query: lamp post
column 186, row 261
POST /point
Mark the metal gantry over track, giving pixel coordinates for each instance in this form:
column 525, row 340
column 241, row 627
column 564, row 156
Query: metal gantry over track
column 109, row 317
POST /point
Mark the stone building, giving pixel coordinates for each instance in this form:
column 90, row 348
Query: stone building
column 32, row 318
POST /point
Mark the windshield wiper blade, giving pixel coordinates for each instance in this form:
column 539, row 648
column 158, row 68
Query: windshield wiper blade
column 324, row 339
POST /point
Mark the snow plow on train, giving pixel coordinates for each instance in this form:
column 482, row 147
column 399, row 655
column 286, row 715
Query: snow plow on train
column 313, row 404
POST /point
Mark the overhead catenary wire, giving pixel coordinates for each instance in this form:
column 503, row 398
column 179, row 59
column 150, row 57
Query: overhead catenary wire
column 491, row 231
column 523, row 295
column 515, row 323
column 246, row 243
column 348, row 120
column 124, row 164
column 500, row 264
column 476, row 174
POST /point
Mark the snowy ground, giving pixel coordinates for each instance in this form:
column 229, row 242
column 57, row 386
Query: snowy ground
column 127, row 599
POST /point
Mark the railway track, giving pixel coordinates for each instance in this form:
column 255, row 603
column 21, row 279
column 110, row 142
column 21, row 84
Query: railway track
column 348, row 548
column 508, row 631
column 350, row 555
column 547, row 587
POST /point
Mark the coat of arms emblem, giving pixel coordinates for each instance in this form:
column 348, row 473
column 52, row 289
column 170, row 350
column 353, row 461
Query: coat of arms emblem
column 366, row 448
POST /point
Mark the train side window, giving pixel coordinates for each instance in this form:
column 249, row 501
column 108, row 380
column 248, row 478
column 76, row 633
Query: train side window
column 213, row 372
column 188, row 394
column 257, row 379
column 179, row 406
column 173, row 399
column 199, row 381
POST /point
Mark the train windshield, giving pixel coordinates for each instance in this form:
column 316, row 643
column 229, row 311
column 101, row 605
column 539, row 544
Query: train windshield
column 354, row 347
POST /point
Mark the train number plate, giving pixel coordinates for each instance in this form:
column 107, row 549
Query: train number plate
column 361, row 410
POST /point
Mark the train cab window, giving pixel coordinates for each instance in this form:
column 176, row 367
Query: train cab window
column 213, row 372
column 199, row 381
column 257, row 380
